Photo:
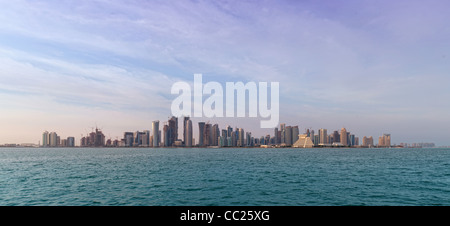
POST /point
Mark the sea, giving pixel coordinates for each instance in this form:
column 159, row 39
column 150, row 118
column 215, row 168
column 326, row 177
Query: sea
column 224, row 177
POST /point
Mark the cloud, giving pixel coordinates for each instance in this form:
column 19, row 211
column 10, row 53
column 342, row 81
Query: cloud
column 332, row 59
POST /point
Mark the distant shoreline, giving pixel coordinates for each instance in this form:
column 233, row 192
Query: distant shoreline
column 215, row 147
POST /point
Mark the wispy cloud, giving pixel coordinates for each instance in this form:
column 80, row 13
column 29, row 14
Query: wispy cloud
column 331, row 58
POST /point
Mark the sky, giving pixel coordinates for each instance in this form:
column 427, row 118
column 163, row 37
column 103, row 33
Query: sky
column 372, row 67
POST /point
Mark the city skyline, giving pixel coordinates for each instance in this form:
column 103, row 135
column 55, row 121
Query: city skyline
column 371, row 67
column 211, row 135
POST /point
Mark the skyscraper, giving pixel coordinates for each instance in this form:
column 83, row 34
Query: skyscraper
column 229, row 130
column 166, row 135
column 367, row 141
column 155, row 131
column 185, row 122
column 53, row 139
column 352, row 140
column 207, row 137
column 344, row 137
column 201, row 132
column 288, row 135
column 275, row 131
column 323, row 136
column 70, row 141
column 146, row 138
column 215, row 134
column 188, row 132
column 224, row 133
column 99, row 138
column 295, row 133
column 387, row 140
column 173, row 130
column 240, row 141
column 336, row 137
column 45, row 139
column 128, row 137
column 384, row 140
column 283, row 133
column 248, row 139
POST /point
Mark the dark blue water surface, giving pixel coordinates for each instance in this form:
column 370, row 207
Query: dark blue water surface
column 261, row 177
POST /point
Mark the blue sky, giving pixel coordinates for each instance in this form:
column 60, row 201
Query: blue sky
column 371, row 66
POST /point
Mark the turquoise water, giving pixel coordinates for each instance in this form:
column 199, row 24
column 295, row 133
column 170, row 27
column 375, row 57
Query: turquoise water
column 261, row 177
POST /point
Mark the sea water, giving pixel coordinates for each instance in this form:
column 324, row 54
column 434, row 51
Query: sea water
column 223, row 177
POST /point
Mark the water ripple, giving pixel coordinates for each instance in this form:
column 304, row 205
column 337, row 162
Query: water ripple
column 224, row 177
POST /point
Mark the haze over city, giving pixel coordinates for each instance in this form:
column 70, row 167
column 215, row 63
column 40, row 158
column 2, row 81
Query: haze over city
column 372, row 67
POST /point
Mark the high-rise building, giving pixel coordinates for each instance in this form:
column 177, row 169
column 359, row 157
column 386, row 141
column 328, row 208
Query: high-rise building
column 323, row 136
column 248, row 139
column 288, row 135
column 241, row 141
column 70, row 141
column 99, row 138
column 229, row 130
column 201, row 134
column 344, row 137
column 156, row 134
column 128, row 137
column 188, row 132
column 367, row 141
column 45, row 139
column 224, row 133
column 215, row 134
column 138, row 137
column 222, row 141
column 145, row 138
column 316, row 139
column 173, row 130
column 336, row 137
column 295, row 133
column 207, row 137
column 384, row 140
column 282, row 126
column 63, row 143
column 387, row 140
column 275, row 134
column 166, row 135
column 53, row 139
column 185, row 122
column 283, row 133
column 352, row 140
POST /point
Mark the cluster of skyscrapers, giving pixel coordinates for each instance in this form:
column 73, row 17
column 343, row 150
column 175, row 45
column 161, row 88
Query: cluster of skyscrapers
column 53, row 140
column 210, row 135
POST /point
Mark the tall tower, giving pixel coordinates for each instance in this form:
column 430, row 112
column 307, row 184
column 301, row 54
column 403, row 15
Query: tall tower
column 215, row 134
column 283, row 133
column 45, row 140
column 166, row 135
column 207, row 139
column 276, row 138
column 323, row 136
column 53, row 139
column 201, row 132
column 173, row 130
column 229, row 130
column 288, row 135
column 155, row 131
column 188, row 133
column 241, row 141
column 295, row 133
column 185, row 122
column 344, row 140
